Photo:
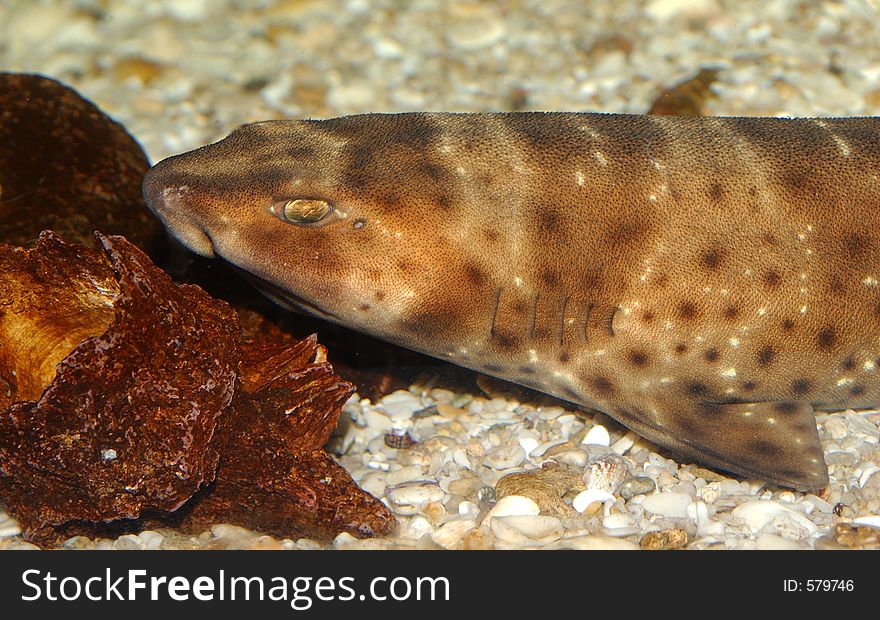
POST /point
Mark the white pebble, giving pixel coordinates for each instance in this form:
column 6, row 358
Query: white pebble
column 672, row 505
column 404, row 474
column 504, row 457
column 622, row 445
column 450, row 533
column 593, row 542
column 870, row 520
column 8, row 526
column 836, row 428
column 541, row 449
column 417, row 527
column 407, row 497
column 597, row 435
column 148, row 539
column 772, row 542
column 513, row 505
column 758, row 513
column 528, row 444
column 526, row 529
column 343, row 539
column 618, row 522
column 585, row 499
column 699, row 513
column 400, row 405
column 468, row 508
column 866, row 475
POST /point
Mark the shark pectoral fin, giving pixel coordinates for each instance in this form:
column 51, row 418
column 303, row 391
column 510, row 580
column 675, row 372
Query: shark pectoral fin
column 776, row 441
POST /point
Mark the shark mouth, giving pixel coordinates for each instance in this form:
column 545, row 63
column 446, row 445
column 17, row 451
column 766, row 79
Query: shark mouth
column 285, row 298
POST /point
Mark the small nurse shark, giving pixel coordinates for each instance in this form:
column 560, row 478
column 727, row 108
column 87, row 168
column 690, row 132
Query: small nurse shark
column 708, row 282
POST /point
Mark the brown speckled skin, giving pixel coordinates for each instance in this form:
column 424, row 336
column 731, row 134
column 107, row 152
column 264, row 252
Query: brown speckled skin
column 706, row 281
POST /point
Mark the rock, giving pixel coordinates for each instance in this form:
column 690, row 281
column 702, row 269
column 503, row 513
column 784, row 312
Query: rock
column 473, row 26
column 589, row 500
column 593, row 542
column 545, row 486
column 759, row 513
column 772, row 542
column 836, row 428
column 672, row 505
column 504, row 457
column 68, row 167
column 639, row 485
column 524, row 530
column 408, row 496
column 512, row 505
column 450, row 534
column 857, row 537
column 675, row 538
column 620, row 525
column 400, row 405
column 597, row 435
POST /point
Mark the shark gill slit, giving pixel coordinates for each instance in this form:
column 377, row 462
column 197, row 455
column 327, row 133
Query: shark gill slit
column 495, row 311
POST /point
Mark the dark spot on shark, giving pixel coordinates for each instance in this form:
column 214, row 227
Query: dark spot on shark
column 857, row 390
column 696, row 388
column 856, row 244
column 681, row 348
column 638, row 358
column 712, row 258
column 826, row 338
column 379, row 295
column 564, row 357
column 765, row 448
column 730, row 313
column 549, row 278
column 475, row 275
column 712, row 355
column 766, row 356
column 716, row 192
column 507, row 342
column 772, row 279
column 801, row 386
column 602, row 385
column 749, row 386
column 687, row 310
column 787, row 324
column 849, row 363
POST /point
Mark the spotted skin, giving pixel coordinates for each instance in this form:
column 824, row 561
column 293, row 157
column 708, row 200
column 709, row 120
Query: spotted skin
column 709, row 282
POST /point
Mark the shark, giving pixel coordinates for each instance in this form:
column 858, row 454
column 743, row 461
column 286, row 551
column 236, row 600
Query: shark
column 709, row 282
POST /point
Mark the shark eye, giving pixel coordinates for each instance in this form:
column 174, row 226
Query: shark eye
column 302, row 211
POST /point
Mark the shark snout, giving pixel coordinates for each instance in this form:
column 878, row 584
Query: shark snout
column 169, row 199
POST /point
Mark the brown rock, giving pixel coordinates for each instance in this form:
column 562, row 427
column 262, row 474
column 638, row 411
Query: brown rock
column 664, row 540
column 274, row 475
column 546, row 486
column 857, row 536
column 68, row 167
column 125, row 424
column 165, row 384
column 51, row 298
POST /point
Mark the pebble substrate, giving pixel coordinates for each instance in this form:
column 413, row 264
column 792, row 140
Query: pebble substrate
column 180, row 74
